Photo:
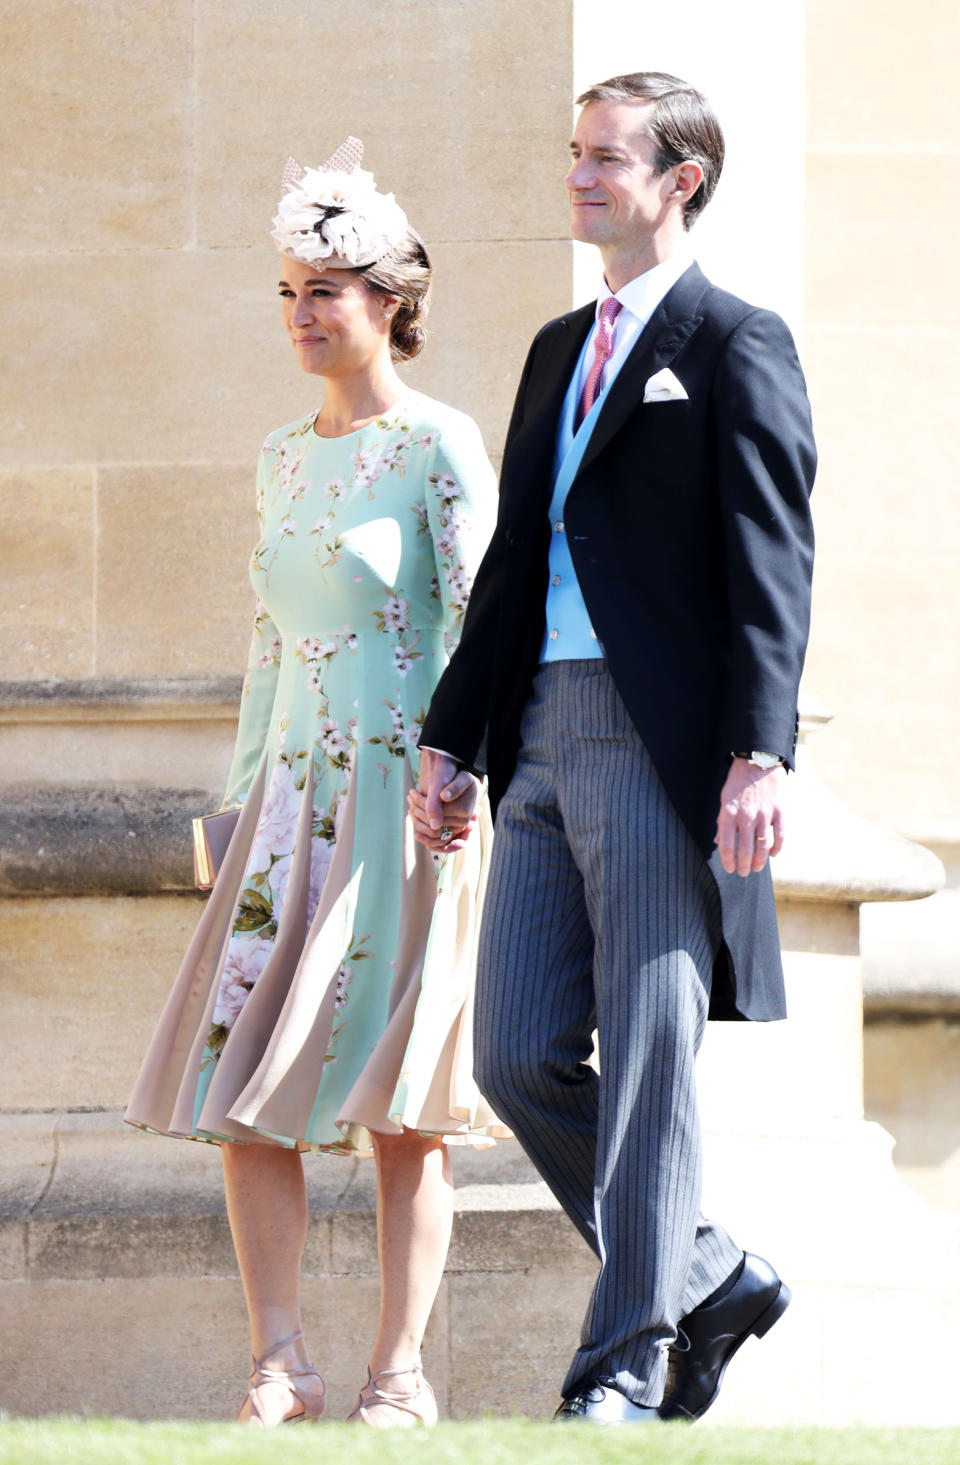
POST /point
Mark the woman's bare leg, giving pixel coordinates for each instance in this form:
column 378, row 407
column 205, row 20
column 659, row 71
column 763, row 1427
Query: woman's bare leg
column 414, row 1219
column 267, row 1207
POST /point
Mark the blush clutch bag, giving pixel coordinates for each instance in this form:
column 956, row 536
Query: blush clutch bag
column 212, row 834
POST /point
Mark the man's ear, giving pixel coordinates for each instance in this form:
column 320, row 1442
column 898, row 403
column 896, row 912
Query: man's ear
column 687, row 178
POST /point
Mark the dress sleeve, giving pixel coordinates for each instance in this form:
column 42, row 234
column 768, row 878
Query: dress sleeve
column 461, row 495
column 256, row 705
column 458, row 713
column 259, row 689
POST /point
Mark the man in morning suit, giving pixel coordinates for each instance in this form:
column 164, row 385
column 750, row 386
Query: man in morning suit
column 627, row 677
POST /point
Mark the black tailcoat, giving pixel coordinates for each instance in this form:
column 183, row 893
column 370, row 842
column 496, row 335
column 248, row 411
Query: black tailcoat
column 689, row 527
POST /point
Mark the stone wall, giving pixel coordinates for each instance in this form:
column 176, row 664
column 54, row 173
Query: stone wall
column 142, row 153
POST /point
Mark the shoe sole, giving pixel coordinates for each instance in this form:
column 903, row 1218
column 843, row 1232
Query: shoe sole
column 771, row 1314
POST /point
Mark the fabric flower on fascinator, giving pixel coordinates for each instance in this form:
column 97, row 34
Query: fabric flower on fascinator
column 336, row 210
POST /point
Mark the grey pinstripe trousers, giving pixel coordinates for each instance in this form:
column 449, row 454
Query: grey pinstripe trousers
column 601, row 911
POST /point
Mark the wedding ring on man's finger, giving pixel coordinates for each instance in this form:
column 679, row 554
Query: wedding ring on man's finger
column 766, row 838
column 446, row 834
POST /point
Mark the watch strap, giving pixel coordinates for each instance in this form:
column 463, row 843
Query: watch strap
column 760, row 759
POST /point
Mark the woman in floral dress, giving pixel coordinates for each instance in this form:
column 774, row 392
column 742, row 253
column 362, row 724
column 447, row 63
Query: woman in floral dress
column 324, row 1002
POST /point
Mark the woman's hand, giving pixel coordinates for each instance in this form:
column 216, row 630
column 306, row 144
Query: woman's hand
column 446, row 800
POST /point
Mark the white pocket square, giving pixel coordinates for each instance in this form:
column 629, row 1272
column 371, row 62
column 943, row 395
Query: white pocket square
column 663, row 386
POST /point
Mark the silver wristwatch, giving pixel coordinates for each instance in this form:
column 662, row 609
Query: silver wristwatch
column 765, row 761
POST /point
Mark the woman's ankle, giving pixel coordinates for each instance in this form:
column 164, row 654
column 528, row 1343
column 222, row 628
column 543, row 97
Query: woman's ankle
column 401, row 1368
column 280, row 1348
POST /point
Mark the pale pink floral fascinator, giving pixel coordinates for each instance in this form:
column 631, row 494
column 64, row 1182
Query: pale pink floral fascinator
column 335, row 210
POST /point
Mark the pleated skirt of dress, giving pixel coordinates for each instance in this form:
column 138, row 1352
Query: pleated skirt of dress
column 280, row 1076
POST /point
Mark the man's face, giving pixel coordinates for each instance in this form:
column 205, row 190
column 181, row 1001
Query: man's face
column 616, row 199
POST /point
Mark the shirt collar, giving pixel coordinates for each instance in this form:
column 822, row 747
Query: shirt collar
column 643, row 294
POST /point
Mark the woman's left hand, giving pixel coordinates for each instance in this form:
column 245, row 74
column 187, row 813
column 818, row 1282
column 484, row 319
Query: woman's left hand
column 447, row 799
column 427, row 834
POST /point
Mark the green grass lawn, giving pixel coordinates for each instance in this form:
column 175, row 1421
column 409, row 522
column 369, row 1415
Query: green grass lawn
column 498, row 1442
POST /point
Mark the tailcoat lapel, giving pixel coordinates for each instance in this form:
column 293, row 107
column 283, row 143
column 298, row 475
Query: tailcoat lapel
column 668, row 329
column 532, row 450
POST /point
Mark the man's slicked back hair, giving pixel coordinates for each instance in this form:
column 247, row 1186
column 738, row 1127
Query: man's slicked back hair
column 683, row 126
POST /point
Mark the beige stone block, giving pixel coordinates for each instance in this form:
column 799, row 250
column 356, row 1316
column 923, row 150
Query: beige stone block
column 501, row 1239
column 491, row 299
column 477, row 1168
column 739, row 1061
column 354, row 1243
column 172, row 356
column 183, row 1342
column 47, row 532
column 883, row 399
column 911, row 953
column 140, row 1247
column 13, row 1250
column 863, row 261
column 463, row 109
column 82, row 986
column 194, row 755
column 883, row 656
column 356, row 1181
column 97, row 127
column 175, row 601
column 865, row 57
column 818, row 928
column 209, row 370
column 912, row 1088
column 28, row 1155
column 437, row 1349
column 99, row 1156
column 512, row 1337
column 883, row 651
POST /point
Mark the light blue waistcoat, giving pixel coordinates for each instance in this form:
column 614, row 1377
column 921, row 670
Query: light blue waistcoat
column 569, row 635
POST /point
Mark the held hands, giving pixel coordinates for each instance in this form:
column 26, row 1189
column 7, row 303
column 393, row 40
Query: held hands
column 750, row 823
column 446, row 799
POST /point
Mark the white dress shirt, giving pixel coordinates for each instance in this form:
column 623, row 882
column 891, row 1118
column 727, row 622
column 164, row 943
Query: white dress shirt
column 639, row 299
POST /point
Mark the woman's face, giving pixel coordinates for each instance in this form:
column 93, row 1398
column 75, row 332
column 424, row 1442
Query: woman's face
column 337, row 326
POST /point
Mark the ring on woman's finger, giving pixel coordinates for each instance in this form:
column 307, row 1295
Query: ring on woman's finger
column 446, row 834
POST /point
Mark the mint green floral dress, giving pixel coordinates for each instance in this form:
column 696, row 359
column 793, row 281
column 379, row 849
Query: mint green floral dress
column 328, row 989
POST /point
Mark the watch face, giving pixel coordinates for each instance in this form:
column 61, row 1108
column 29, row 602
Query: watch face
column 764, row 760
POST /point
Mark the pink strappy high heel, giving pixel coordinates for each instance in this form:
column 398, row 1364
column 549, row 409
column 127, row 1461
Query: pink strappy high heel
column 313, row 1401
column 419, row 1401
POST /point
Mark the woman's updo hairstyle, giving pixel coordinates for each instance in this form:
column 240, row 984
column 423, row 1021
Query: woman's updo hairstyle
column 404, row 274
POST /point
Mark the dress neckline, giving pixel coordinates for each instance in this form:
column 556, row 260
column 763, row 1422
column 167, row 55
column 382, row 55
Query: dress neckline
column 380, row 417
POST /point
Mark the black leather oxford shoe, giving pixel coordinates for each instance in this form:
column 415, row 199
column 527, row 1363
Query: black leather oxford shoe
column 601, row 1402
column 709, row 1336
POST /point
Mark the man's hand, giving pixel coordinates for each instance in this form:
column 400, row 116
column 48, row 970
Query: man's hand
column 447, row 798
column 750, row 823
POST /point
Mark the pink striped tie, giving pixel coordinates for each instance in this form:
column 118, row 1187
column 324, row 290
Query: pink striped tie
column 602, row 350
